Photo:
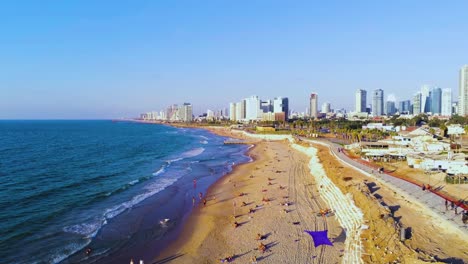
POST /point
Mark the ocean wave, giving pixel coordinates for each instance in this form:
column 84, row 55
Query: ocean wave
column 134, row 182
column 192, row 153
column 66, row 251
column 203, row 137
column 160, row 171
column 204, row 142
column 87, row 230
column 188, row 154
column 152, row 189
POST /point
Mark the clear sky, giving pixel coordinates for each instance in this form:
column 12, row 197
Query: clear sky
column 111, row 59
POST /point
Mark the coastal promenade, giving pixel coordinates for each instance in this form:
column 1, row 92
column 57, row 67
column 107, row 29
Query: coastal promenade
column 431, row 200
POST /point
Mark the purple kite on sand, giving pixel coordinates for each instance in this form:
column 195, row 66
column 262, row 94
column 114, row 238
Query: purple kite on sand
column 320, row 237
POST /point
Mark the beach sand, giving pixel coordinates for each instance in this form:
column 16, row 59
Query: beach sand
column 430, row 239
column 209, row 234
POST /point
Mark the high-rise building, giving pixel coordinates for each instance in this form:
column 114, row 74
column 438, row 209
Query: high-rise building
column 446, row 102
column 240, row 111
column 391, row 109
column 185, row 113
column 313, row 105
column 361, row 100
column 463, row 92
column 404, row 107
column 281, row 105
column 326, row 108
column 377, row 102
column 417, row 104
column 266, row 106
column 436, row 101
column 232, row 112
column 425, row 98
column 252, row 108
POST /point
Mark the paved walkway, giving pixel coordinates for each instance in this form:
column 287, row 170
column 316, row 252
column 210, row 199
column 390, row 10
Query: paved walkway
column 432, row 200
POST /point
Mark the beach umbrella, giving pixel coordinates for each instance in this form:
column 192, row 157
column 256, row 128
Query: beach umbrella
column 320, row 237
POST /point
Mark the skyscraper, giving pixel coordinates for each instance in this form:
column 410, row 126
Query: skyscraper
column 446, row 102
column 252, row 108
column 313, row 105
column 361, row 100
column 232, row 112
column 240, row 111
column 463, row 92
column 436, row 100
column 377, row 102
column 390, row 108
column 417, row 104
column 404, row 107
column 281, row 105
column 425, row 99
column 185, row 113
column 326, row 107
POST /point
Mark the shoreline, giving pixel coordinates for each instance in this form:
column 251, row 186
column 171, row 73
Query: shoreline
column 408, row 250
column 210, row 236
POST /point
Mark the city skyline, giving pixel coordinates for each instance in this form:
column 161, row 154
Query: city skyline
column 76, row 60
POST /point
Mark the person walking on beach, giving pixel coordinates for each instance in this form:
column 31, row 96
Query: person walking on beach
column 204, row 202
column 446, row 205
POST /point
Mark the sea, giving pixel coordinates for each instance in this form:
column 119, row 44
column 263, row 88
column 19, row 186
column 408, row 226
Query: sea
column 102, row 191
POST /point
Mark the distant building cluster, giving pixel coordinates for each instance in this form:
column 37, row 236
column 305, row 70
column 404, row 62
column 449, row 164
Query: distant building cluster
column 173, row 113
column 255, row 109
column 430, row 100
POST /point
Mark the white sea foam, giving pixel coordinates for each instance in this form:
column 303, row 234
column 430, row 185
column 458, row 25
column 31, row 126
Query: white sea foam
column 133, row 182
column 188, row 154
column 204, row 142
column 151, row 190
column 204, row 137
column 86, row 229
column 66, row 251
column 160, row 171
column 192, row 153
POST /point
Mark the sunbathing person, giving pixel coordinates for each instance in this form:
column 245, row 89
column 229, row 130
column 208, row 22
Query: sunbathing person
column 244, row 204
column 236, row 224
column 262, row 247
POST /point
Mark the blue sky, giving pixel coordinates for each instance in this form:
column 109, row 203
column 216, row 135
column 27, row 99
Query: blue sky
column 111, row 59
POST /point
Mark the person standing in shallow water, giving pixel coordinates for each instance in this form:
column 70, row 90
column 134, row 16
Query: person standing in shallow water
column 193, row 200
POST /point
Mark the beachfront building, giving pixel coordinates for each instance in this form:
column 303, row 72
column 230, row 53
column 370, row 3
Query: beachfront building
column 463, row 92
column 232, row 111
column 185, row 113
column 446, row 102
column 377, row 102
column 313, row 105
column 281, row 105
column 253, row 111
column 361, row 101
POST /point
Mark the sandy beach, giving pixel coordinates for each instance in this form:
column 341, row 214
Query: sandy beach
column 280, row 174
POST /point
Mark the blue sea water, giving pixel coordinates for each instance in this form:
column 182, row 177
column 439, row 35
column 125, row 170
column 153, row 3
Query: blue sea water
column 65, row 185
